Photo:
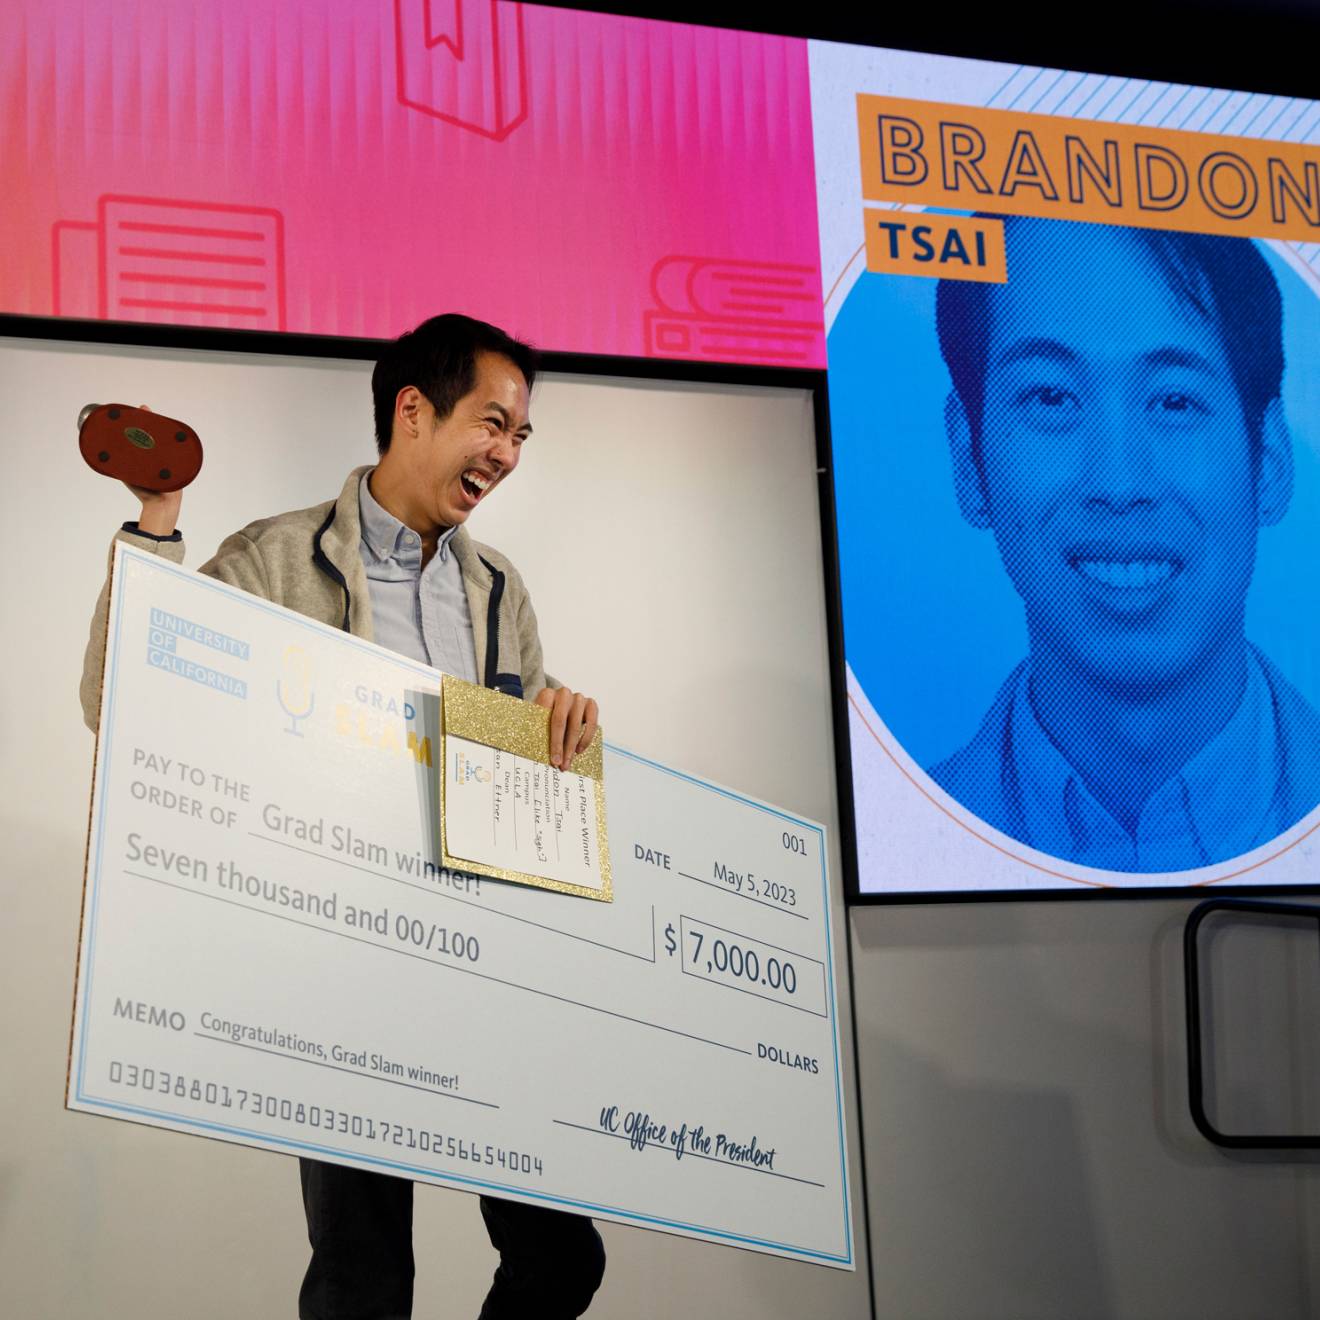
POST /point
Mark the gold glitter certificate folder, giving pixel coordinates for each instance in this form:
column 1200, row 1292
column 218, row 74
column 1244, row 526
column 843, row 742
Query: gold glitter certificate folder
column 505, row 811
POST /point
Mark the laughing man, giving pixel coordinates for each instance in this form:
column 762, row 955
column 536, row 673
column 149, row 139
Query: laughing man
column 390, row 559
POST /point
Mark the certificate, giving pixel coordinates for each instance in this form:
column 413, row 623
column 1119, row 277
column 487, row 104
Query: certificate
column 273, row 953
column 505, row 810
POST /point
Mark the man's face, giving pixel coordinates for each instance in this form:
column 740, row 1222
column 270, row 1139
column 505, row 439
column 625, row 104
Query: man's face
column 459, row 461
column 1115, row 464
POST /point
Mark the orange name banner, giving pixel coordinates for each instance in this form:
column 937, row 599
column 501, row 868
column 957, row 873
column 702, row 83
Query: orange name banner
column 946, row 247
column 965, row 158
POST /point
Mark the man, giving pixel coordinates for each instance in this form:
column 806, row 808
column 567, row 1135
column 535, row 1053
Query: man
column 390, row 560
column 1116, row 422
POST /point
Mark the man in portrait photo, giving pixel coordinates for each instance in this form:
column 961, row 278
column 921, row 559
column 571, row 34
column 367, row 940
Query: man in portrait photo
column 1115, row 422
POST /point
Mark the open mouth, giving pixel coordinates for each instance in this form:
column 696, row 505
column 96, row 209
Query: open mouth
column 1126, row 574
column 475, row 484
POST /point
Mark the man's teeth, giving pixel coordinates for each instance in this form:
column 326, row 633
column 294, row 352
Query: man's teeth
column 477, row 481
column 1127, row 573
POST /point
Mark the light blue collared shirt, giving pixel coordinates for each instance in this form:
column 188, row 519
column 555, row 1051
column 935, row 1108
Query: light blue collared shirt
column 1224, row 802
column 419, row 612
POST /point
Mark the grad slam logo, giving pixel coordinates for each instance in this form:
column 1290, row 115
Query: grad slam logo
column 467, row 771
column 293, row 688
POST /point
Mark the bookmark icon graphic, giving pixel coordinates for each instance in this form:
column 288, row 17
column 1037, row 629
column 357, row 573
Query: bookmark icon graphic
column 185, row 263
column 463, row 61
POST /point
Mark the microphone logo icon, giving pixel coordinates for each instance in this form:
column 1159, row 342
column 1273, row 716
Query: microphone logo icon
column 294, row 687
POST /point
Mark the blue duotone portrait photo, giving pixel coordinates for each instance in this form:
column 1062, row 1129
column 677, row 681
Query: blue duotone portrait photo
column 1077, row 520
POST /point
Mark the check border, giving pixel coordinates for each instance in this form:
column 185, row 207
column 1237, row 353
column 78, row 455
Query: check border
column 126, row 554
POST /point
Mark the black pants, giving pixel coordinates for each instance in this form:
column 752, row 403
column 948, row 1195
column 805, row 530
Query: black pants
column 360, row 1227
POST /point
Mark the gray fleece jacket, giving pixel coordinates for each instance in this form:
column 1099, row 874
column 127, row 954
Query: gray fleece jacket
column 311, row 561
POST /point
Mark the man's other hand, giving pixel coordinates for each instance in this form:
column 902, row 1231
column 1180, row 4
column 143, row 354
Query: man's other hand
column 573, row 720
column 160, row 508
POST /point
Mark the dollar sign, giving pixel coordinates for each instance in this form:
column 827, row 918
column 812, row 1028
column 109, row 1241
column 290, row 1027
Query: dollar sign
column 671, row 944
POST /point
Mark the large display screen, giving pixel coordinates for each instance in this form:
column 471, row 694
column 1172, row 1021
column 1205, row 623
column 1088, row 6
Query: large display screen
column 1071, row 325
column 592, row 183
column 1073, row 337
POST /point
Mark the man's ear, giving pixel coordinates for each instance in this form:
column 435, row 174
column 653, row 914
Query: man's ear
column 407, row 409
column 1274, row 475
column 967, row 481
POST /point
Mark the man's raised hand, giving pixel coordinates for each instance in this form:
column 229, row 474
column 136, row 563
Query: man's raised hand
column 160, row 508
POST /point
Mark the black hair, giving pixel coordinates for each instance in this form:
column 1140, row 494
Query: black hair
column 1225, row 279
column 439, row 357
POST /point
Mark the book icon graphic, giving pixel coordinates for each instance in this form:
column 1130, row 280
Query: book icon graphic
column 184, row 263
column 463, row 61
column 730, row 310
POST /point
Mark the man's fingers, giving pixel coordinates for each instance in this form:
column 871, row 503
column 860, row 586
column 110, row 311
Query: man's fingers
column 590, row 718
column 558, row 721
column 573, row 721
column 577, row 711
column 574, row 704
column 545, row 698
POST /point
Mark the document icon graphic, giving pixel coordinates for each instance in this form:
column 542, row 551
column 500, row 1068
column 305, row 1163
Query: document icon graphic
column 463, row 61
column 185, row 263
column 756, row 311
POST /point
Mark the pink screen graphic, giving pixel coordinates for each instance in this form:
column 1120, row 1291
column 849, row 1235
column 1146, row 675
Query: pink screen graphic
column 596, row 184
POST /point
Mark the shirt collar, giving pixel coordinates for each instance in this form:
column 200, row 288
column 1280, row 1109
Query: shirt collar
column 386, row 537
column 1216, row 806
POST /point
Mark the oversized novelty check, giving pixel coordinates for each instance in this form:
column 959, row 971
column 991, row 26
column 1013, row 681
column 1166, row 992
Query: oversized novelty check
column 272, row 955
